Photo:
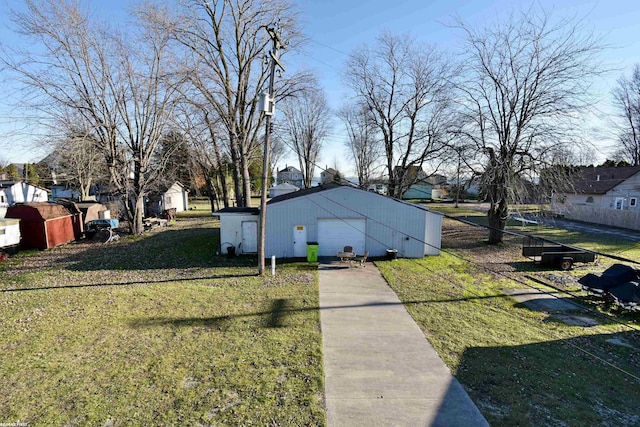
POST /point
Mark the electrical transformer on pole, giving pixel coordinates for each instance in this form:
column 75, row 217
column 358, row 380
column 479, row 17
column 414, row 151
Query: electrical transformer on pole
column 267, row 101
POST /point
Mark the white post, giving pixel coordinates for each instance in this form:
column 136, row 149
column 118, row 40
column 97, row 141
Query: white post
column 273, row 265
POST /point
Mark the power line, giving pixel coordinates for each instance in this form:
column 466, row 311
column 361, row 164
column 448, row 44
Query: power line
column 329, row 47
column 482, row 267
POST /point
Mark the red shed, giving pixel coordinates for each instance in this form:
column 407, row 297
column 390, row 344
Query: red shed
column 43, row 225
column 76, row 212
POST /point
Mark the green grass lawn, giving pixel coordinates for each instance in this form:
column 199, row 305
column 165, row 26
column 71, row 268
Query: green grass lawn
column 522, row 367
column 158, row 331
column 600, row 243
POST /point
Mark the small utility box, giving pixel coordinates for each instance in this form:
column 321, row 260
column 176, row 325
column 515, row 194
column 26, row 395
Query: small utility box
column 312, row 251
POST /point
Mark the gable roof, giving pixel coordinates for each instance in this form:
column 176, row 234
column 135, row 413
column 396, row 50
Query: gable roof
column 238, row 210
column 334, row 185
column 289, row 169
column 11, row 183
column 599, row 180
column 46, row 210
column 304, row 192
column 285, row 186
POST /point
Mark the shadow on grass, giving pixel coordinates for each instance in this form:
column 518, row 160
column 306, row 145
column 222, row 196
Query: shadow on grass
column 576, row 381
column 277, row 313
column 132, row 283
column 281, row 308
column 179, row 248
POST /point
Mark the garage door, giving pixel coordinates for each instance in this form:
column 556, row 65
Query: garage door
column 335, row 233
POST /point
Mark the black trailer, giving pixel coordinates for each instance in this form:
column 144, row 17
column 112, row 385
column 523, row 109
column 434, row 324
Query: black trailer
column 554, row 254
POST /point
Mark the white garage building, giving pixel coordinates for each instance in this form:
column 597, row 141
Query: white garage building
column 335, row 216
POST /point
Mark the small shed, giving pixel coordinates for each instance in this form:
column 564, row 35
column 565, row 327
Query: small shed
column 43, row 225
column 421, row 190
column 76, row 217
column 175, row 197
column 335, row 216
column 9, row 235
column 280, row 189
column 238, row 230
column 93, row 210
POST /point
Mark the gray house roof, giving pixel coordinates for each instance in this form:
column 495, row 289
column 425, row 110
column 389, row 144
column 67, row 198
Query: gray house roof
column 332, row 185
column 599, row 180
column 303, row 192
column 235, row 210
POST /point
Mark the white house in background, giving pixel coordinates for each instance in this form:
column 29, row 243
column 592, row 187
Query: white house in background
column 290, row 175
column 602, row 195
column 280, row 189
column 238, row 229
column 12, row 192
column 328, row 175
column 334, row 216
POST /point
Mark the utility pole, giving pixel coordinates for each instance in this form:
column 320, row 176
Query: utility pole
column 268, row 107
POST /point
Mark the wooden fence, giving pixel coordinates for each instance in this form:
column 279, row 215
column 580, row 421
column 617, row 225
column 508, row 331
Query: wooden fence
column 612, row 217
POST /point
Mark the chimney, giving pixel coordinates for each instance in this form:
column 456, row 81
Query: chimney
column 598, row 178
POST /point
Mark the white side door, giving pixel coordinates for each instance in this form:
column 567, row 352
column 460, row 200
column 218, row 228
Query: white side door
column 249, row 237
column 299, row 241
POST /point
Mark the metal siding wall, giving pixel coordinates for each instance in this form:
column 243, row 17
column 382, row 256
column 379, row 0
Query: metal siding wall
column 433, row 234
column 231, row 229
column 388, row 224
column 281, row 218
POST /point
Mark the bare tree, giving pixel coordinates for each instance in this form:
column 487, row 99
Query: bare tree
column 226, row 42
column 525, row 81
column 115, row 82
column 363, row 141
column 81, row 161
column 405, row 86
column 305, row 124
column 202, row 133
column 627, row 99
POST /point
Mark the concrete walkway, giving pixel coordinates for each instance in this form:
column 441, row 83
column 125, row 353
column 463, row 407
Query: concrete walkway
column 380, row 370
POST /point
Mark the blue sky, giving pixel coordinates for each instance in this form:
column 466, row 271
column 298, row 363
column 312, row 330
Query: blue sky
column 335, row 28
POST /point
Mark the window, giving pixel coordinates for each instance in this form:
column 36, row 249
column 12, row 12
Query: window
column 167, row 200
column 633, row 202
column 619, row 203
column 589, row 199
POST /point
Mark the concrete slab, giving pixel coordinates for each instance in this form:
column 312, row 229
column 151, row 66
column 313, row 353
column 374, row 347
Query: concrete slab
column 379, row 368
column 538, row 300
column 575, row 320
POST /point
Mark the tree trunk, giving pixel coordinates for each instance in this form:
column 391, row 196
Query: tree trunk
column 237, row 185
column 220, row 172
column 246, row 181
column 213, row 194
column 497, row 217
column 137, row 226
